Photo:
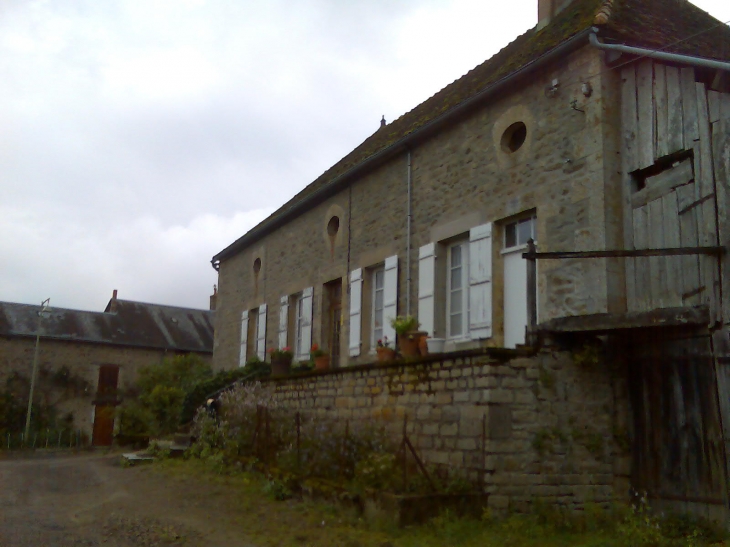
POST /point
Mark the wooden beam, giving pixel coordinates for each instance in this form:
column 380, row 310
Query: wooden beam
column 624, row 253
column 663, row 183
column 607, row 322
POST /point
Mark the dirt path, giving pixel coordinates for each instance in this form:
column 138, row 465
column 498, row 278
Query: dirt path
column 91, row 501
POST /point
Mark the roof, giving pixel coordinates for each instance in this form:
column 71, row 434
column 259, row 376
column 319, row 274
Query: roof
column 134, row 324
column 674, row 25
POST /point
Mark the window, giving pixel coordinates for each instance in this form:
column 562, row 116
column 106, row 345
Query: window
column 519, row 232
column 457, row 297
column 298, row 324
column 378, row 305
column 455, row 292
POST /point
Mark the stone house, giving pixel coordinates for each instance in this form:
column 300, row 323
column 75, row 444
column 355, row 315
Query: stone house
column 603, row 134
column 87, row 360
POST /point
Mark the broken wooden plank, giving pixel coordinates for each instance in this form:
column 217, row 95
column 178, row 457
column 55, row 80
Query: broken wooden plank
column 628, row 164
column 721, row 164
column 629, row 120
column 673, row 264
column 688, row 238
column 657, row 266
column 642, row 273
column 689, row 106
column 607, row 322
column 663, row 183
column 661, row 111
column 645, row 110
column 675, row 122
column 713, row 103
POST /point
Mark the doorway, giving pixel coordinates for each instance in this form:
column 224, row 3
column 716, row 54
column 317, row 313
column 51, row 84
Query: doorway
column 104, row 405
column 516, row 236
column 333, row 319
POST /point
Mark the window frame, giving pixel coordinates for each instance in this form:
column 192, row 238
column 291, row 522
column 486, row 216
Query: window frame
column 532, row 218
column 463, row 244
column 374, row 272
column 297, row 301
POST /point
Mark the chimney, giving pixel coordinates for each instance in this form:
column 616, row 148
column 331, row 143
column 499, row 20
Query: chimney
column 113, row 302
column 213, row 297
column 547, row 9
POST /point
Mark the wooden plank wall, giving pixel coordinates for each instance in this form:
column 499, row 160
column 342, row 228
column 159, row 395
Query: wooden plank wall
column 666, row 113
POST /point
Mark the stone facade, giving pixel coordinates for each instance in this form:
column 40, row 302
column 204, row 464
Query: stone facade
column 536, row 426
column 460, row 178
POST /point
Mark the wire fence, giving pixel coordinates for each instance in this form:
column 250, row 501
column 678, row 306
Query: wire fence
column 44, row 439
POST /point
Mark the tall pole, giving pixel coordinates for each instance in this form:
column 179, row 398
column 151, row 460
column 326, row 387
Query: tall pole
column 44, row 308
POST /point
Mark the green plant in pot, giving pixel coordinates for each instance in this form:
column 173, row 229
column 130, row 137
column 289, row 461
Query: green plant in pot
column 281, row 360
column 320, row 357
column 409, row 337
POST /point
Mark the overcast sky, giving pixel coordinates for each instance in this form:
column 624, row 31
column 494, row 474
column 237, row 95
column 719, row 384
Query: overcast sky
column 139, row 138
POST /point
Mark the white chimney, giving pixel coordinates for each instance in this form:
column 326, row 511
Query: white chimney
column 547, row 9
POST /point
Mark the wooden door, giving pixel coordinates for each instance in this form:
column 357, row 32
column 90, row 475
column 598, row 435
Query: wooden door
column 679, row 454
column 105, row 404
column 333, row 326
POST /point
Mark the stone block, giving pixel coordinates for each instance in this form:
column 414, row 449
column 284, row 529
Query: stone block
column 450, row 413
column 430, row 429
column 498, row 396
column 462, row 396
column 486, row 381
column 448, row 430
column 466, row 444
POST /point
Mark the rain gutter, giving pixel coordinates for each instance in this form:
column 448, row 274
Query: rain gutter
column 661, row 55
column 277, row 219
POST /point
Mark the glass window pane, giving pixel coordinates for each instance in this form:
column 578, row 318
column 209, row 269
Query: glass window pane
column 455, row 303
column 379, row 279
column 456, row 325
column 379, row 300
column 455, row 256
column 455, row 281
column 510, row 236
column 524, row 231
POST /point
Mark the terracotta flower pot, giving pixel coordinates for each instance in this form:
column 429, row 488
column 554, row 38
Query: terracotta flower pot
column 408, row 345
column 280, row 366
column 385, row 354
column 322, row 362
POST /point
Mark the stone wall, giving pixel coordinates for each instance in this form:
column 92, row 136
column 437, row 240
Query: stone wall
column 566, row 172
column 82, row 360
column 537, row 426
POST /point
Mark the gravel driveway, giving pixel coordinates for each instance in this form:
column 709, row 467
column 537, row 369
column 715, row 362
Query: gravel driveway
column 89, row 500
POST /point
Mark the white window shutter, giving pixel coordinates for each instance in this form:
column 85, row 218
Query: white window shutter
column 261, row 333
column 480, row 281
column 306, row 340
column 244, row 338
column 427, row 287
column 355, row 311
column 390, row 296
column 283, row 320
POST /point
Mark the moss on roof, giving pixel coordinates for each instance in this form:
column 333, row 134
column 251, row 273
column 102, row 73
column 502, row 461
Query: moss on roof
column 643, row 23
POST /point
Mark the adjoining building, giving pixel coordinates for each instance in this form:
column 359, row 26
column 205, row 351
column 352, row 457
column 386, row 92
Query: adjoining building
column 88, row 359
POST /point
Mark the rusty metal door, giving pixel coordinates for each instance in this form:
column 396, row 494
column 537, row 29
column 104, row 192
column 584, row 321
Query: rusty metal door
column 678, row 444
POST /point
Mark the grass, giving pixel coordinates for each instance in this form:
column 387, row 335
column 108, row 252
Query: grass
column 268, row 522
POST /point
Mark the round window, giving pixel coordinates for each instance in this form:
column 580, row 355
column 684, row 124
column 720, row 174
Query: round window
column 514, row 137
column 333, row 226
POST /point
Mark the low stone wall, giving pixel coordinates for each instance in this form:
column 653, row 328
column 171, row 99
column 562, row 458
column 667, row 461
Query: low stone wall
column 534, row 426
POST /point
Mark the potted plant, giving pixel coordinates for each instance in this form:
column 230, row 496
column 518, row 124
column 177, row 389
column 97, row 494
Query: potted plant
column 385, row 352
column 281, row 360
column 409, row 337
column 320, row 357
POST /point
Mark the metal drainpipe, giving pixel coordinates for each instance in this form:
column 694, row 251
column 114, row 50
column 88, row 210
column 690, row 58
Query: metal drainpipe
column 408, row 238
column 661, row 55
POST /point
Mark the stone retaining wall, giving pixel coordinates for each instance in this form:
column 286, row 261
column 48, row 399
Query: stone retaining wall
column 539, row 426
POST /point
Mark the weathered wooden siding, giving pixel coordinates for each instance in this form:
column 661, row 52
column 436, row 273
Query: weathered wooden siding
column 669, row 122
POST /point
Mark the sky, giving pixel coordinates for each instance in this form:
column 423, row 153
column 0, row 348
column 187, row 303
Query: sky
column 138, row 138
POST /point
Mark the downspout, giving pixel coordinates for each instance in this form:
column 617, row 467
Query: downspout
column 408, row 236
column 661, row 55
